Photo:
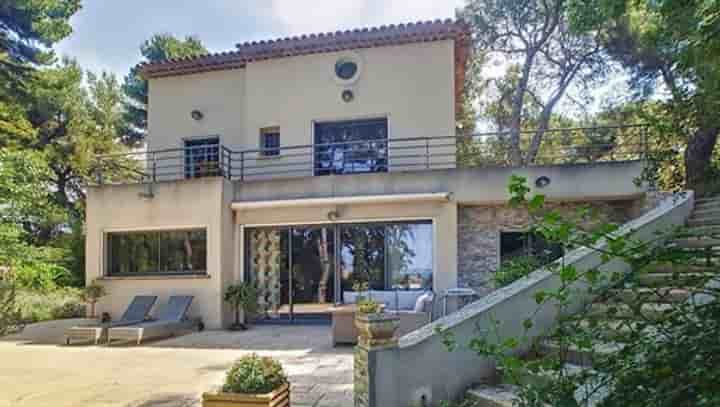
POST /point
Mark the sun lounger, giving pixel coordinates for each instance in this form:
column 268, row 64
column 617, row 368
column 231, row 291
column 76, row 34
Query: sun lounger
column 135, row 313
column 171, row 320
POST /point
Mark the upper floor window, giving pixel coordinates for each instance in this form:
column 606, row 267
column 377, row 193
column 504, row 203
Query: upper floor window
column 153, row 252
column 350, row 147
column 270, row 141
column 202, row 157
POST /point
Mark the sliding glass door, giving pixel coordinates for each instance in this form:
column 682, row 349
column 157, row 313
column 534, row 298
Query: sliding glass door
column 304, row 270
column 387, row 256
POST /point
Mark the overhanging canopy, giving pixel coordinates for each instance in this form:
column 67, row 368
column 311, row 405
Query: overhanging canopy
column 344, row 200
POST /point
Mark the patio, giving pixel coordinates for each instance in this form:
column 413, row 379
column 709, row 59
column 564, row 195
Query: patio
column 36, row 371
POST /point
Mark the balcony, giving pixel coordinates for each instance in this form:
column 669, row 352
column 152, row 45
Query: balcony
column 557, row 147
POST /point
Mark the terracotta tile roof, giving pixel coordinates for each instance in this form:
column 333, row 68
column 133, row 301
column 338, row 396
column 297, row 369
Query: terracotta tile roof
column 316, row 43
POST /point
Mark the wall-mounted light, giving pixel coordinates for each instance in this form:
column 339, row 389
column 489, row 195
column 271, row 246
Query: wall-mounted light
column 542, row 182
column 196, row 115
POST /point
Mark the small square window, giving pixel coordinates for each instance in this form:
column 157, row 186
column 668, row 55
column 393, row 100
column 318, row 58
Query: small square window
column 270, row 141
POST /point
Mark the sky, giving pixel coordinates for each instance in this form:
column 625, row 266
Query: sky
column 107, row 33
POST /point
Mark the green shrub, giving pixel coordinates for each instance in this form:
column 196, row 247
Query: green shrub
column 515, row 269
column 254, row 374
column 9, row 315
column 242, row 296
column 91, row 294
column 368, row 306
column 41, row 276
column 45, row 305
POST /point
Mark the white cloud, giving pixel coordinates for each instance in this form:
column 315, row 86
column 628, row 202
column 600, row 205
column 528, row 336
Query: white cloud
column 304, row 16
column 317, row 15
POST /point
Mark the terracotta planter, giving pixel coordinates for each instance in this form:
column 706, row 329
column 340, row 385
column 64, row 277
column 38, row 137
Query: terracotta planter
column 276, row 398
column 376, row 329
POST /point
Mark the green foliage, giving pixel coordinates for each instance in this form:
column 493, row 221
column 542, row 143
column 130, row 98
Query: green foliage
column 368, row 306
column 667, row 358
column 9, row 312
column 42, row 276
column 24, row 196
column 544, row 58
column 46, row 305
column 27, row 29
column 512, row 270
column 673, row 63
column 243, row 296
column 253, row 374
column 158, row 48
column 93, row 292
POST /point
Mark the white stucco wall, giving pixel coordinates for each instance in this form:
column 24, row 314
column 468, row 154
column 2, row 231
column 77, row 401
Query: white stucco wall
column 412, row 85
column 201, row 203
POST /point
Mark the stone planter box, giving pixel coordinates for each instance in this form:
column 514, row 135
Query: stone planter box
column 276, row 398
column 376, row 330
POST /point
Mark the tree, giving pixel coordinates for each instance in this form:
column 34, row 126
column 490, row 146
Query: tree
column 672, row 51
column 27, row 29
column 158, row 48
column 25, row 202
column 74, row 123
column 242, row 296
column 91, row 294
column 546, row 57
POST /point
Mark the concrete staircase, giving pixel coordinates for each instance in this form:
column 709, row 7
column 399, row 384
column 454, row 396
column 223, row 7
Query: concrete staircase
column 656, row 290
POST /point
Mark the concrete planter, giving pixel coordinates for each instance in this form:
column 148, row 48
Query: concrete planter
column 376, row 330
column 276, row 398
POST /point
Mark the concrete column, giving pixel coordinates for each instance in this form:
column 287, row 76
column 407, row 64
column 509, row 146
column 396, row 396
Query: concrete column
column 373, row 339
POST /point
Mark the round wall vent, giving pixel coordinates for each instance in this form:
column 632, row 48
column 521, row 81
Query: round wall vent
column 347, row 95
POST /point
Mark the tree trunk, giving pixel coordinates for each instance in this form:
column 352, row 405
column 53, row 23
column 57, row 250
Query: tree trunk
column 517, row 110
column 698, row 157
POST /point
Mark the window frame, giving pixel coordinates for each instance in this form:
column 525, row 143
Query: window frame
column 527, row 246
column 107, row 258
column 274, row 151
column 189, row 166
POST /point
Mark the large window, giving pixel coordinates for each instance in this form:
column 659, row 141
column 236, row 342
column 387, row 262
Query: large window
column 387, row 256
column 350, row 147
column 157, row 252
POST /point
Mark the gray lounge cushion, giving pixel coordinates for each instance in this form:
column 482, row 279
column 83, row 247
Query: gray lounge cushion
column 138, row 309
column 175, row 309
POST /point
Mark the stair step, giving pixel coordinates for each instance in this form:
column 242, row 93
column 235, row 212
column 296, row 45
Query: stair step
column 708, row 231
column 618, row 331
column 679, row 268
column 705, row 204
column 712, row 211
column 624, row 311
column 697, row 243
column 707, row 199
column 579, row 357
column 683, row 279
column 649, row 294
column 485, row 395
column 693, row 222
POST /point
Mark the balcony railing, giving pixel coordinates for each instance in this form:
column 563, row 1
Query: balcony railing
column 557, row 146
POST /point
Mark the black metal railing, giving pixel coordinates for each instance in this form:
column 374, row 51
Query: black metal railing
column 557, row 146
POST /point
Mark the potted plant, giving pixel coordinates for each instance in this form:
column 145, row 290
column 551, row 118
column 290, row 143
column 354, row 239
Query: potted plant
column 252, row 381
column 242, row 296
column 375, row 327
column 91, row 294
